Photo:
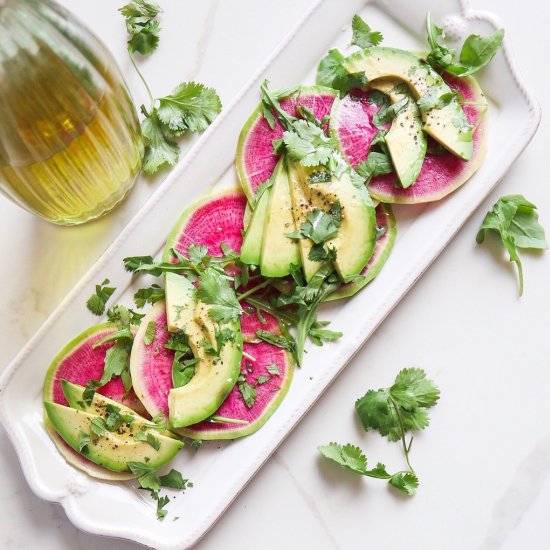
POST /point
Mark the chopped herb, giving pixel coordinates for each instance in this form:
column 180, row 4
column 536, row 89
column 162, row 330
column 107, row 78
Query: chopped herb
column 248, row 392
column 114, row 419
column 388, row 112
column 174, row 480
column 273, row 369
column 150, row 295
column 262, row 379
column 161, row 503
column 150, row 332
column 96, row 302
column 83, row 442
column 149, row 438
column 97, row 426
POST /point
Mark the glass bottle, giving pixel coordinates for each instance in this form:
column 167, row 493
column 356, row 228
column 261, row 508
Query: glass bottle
column 70, row 140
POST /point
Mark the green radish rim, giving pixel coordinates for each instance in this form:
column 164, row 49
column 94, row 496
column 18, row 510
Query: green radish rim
column 373, row 270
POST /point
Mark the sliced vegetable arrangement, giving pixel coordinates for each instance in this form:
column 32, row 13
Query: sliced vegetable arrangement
column 245, row 270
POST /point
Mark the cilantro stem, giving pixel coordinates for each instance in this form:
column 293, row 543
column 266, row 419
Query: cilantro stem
column 226, row 420
column 401, row 425
column 285, row 119
column 254, row 289
column 142, row 79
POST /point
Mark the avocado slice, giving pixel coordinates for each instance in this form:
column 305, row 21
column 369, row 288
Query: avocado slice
column 405, row 139
column 99, row 404
column 356, row 236
column 113, row 450
column 279, row 251
column 447, row 125
column 300, row 208
column 251, row 248
column 214, row 376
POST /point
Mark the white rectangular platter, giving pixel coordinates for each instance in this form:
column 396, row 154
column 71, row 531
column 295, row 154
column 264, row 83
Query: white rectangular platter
column 221, row 470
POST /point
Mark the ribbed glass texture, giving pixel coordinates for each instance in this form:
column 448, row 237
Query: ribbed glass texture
column 70, row 142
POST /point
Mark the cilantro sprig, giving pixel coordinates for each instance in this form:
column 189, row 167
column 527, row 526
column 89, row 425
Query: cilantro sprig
column 393, row 412
column 515, row 220
column 476, row 51
column 191, row 107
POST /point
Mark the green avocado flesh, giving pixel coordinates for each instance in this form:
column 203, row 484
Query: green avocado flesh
column 405, row 139
column 214, row 376
column 99, row 406
column 251, row 249
column 356, row 236
column 112, row 450
column 447, row 125
column 278, row 251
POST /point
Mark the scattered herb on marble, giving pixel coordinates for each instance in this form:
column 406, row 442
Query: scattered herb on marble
column 191, row 106
column 393, row 412
column 515, row 220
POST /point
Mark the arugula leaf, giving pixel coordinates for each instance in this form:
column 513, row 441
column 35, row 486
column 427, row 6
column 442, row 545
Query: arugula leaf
column 96, row 302
column 150, row 295
column 319, row 334
column 214, row 289
column 515, row 220
column 270, row 104
column 377, row 164
column 141, row 25
column 150, row 332
column 191, row 107
column 476, row 51
column 279, row 341
column 89, row 391
column 363, row 35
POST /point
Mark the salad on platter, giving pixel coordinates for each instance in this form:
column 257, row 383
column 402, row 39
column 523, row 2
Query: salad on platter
column 245, row 269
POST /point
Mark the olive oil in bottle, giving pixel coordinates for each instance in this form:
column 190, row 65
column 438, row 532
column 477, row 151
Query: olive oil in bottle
column 70, row 143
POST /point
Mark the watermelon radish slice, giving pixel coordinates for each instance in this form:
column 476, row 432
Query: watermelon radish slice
column 441, row 173
column 269, row 395
column 255, row 160
column 151, row 367
column 216, row 218
column 79, row 362
column 384, row 244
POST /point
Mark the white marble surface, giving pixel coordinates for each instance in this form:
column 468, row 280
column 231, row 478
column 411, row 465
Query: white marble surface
column 484, row 461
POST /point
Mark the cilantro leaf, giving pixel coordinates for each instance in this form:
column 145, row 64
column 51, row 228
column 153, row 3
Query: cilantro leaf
column 320, row 226
column 388, row 112
column 331, row 73
column 147, row 476
column 150, row 295
column 214, row 289
column 116, row 360
column 247, row 391
column 190, row 107
column 149, row 438
column 401, row 408
column 262, row 379
column 348, row 456
column 273, row 369
column 159, row 149
column 406, row 482
column 515, row 220
column 308, row 143
column 173, row 480
column 161, row 503
column 97, row 426
column 476, row 51
column 363, row 35
column 197, row 253
column 183, row 370
column 433, row 100
column 141, row 25
column 83, row 442
column 96, row 302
